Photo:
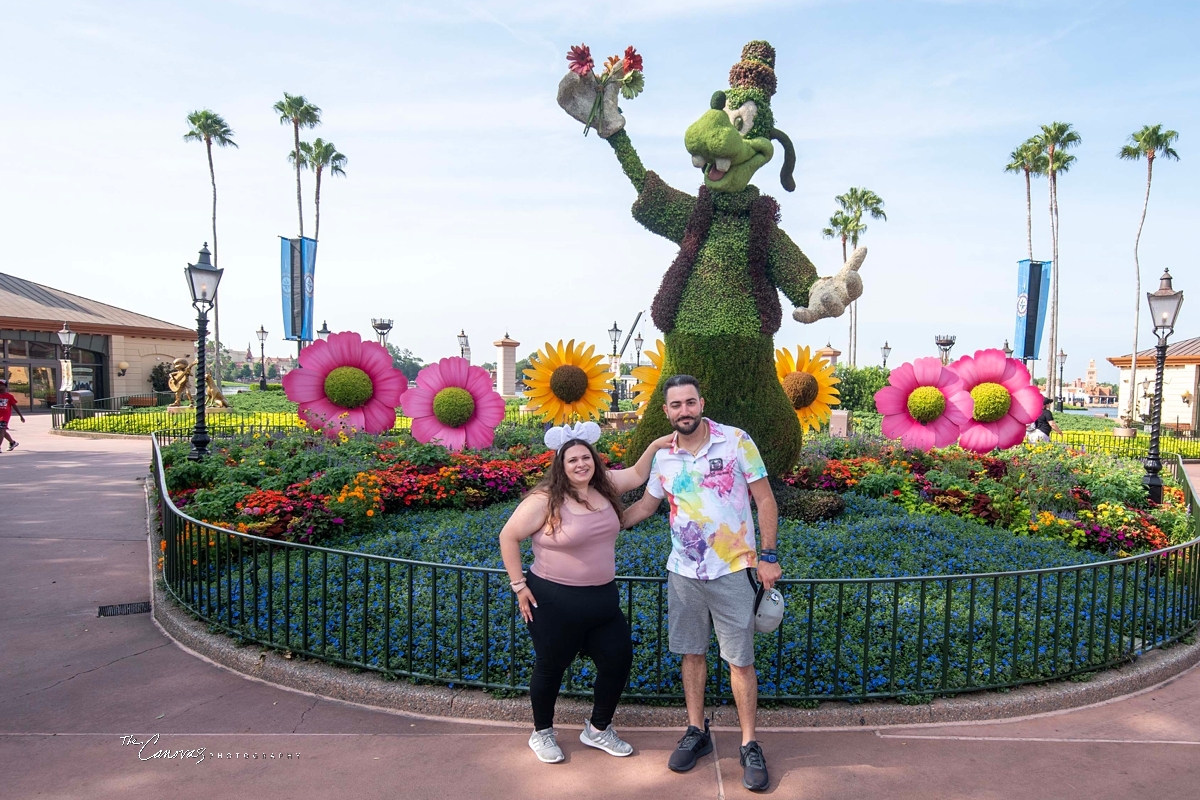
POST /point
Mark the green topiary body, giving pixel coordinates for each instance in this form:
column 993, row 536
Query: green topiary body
column 717, row 331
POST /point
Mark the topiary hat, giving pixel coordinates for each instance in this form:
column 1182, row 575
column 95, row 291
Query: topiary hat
column 753, row 78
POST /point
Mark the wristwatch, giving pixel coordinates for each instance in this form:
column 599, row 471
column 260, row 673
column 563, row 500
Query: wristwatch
column 769, row 556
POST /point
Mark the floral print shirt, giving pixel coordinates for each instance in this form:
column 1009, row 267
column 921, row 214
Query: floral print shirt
column 712, row 530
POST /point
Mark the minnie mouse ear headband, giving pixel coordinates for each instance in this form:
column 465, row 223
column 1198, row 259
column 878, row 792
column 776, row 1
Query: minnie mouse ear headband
column 588, row 432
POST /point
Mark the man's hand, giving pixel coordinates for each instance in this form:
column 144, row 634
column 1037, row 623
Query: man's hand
column 768, row 573
column 828, row 297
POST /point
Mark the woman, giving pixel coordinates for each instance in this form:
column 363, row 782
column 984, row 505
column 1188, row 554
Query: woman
column 569, row 596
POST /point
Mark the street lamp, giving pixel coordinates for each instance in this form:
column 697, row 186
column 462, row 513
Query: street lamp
column 638, row 341
column 1164, row 308
column 1008, row 351
column 382, row 327
column 203, row 279
column 323, row 334
column 944, row 342
column 463, row 342
column 885, row 351
column 262, row 351
column 1062, row 360
column 614, row 333
column 67, row 337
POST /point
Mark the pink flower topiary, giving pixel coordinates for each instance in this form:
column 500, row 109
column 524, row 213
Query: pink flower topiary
column 998, row 399
column 345, row 384
column 916, row 405
column 454, row 405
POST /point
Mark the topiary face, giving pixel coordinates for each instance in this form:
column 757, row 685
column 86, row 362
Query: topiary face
column 453, row 406
column 992, row 402
column 728, row 157
column 569, row 383
column 801, row 388
column 926, row 403
column 349, row 387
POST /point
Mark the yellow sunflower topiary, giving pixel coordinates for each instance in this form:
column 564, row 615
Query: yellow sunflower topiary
column 648, row 375
column 567, row 383
column 808, row 383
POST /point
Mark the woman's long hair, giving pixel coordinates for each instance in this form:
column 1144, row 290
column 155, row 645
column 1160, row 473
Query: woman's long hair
column 557, row 485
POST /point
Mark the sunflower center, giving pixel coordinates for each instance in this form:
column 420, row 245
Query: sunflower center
column 569, row 383
column 926, row 403
column 801, row 388
column 992, row 402
column 349, row 387
column 453, row 406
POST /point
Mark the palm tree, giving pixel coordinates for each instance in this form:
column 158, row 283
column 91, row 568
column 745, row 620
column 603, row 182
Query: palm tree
column 1150, row 142
column 844, row 226
column 1028, row 160
column 1055, row 138
column 295, row 109
column 319, row 156
column 856, row 202
column 209, row 127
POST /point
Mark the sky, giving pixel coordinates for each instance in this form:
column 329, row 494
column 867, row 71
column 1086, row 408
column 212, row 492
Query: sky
column 472, row 202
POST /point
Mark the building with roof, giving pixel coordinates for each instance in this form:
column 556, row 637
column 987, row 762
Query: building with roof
column 114, row 349
column 1181, row 383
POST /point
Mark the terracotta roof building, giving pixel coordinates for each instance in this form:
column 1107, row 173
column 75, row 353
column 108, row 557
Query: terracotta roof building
column 1181, row 383
column 113, row 354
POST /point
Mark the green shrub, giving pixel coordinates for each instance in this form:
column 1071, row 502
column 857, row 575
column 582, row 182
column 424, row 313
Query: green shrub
column 807, row 505
column 262, row 401
column 859, row 385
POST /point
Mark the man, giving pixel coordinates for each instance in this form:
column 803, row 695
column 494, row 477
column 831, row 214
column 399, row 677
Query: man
column 1044, row 424
column 8, row 404
column 708, row 474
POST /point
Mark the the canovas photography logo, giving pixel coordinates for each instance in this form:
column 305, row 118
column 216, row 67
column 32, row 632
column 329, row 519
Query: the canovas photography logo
column 150, row 748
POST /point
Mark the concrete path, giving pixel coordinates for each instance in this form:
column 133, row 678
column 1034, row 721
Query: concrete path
column 72, row 537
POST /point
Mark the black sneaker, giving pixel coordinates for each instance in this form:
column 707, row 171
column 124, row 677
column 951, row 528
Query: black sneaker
column 754, row 768
column 695, row 743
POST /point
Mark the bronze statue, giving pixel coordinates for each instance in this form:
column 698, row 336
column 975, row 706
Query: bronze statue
column 213, row 396
column 179, row 381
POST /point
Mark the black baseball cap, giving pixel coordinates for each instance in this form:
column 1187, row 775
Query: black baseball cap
column 1047, row 401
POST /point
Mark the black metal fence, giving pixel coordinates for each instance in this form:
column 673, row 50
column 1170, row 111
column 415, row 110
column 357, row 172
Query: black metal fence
column 907, row 637
column 1131, row 447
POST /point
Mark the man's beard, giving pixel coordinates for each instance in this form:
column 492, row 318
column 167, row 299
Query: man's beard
column 686, row 426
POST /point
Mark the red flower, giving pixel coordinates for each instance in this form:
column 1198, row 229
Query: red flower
column 579, row 60
column 632, row 61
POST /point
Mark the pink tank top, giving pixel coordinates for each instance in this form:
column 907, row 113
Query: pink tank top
column 582, row 551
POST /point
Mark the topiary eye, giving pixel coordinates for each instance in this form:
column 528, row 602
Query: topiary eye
column 739, row 123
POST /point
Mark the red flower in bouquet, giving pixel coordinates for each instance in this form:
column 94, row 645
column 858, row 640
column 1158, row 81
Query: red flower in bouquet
column 579, row 60
column 632, row 61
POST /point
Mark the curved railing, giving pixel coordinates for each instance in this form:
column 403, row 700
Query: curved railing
column 906, row 637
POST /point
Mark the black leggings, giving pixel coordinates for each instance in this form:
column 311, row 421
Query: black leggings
column 573, row 620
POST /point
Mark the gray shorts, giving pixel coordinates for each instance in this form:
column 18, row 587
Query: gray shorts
column 696, row 607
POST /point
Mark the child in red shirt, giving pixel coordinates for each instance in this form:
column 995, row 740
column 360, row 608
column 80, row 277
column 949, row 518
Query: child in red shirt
column 8, row 404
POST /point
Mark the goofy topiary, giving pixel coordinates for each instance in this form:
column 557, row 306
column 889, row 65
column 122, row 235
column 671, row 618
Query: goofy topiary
column 719, row 302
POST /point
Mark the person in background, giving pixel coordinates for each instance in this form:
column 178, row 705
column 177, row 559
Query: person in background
column 1044, row 424
column 569, row 596
column 8, row 404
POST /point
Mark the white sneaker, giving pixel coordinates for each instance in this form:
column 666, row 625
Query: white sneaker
column 544, row 743
column 606, row 740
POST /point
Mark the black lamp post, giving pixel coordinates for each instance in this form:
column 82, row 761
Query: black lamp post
column 614, row 333
column 323, row 334
column 203, row 279
column 1164, row 308
column 885, row 351
column 1062, row 360
column 382, row 327
column 1008, row 351
column 261, row 333
column 944, row 342
column 464, row 343
column 67, row 337
column 638, row 341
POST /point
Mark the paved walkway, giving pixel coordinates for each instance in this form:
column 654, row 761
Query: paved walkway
column 72, row 537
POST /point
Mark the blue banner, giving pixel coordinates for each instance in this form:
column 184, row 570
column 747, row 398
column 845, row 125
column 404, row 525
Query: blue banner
column 1033, row 295
column 298, row 265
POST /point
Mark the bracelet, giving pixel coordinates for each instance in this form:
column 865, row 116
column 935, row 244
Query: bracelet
column 518, row 586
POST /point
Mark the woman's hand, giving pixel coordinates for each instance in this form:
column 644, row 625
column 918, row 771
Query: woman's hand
column 527, row 602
